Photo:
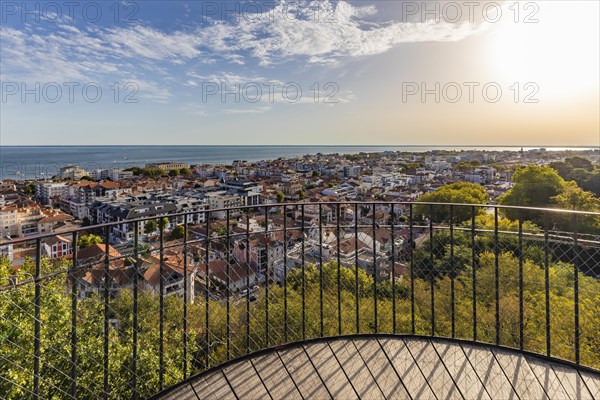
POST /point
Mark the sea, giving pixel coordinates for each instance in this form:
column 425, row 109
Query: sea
column 43, row 162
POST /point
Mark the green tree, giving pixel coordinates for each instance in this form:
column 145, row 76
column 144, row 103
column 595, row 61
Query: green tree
column 185, row 171
column 152, row 172
column 280, row 197
column 580, row 170
column 88, row 240
column 150, row 226
column 178, row 232
column 461, row 193
column 534, row 186
column 163, row 223
column 174, row 172
column 29, row 189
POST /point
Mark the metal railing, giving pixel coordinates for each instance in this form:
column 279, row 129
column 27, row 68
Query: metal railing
column 129, row 319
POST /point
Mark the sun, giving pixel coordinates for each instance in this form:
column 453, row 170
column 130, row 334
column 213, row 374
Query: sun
column 551, row 43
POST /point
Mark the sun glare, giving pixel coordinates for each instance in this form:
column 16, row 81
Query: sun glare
column 553, row 44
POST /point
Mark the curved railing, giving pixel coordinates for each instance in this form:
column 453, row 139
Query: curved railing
column 234, row 281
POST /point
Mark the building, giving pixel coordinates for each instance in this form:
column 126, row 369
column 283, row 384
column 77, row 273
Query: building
column 57, row 246
column 174, row 272
column 220, row 200
column 72, row 172
column 114, row 174
column 248, row 191
column 351, row 171
column 149, row 205
column 50, row 193
column 168, row 166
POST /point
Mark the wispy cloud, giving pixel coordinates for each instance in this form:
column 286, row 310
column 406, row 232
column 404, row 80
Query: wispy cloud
column 279, row 34
column 251, row 110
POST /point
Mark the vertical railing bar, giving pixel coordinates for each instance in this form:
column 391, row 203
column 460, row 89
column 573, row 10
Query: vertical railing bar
column 206, row 293
column 356, row 267
column 547, row 283
column 161, row 332
column 106, row 294
column 375, row 305
column 267, row 275
column 73, row 390
column 285, row 302
column 321, row 316
column 497, row 275
column 185, row 293
column 392, row 238
column 339, row 271
column 412, row 269
column 248, row 281
column 521, row 307
column 228, row 286
column 37, row 304
column 303, row 278
column 136, row 272
column 432, row 281
column 452, row 272
column 474, row 272
column 576, row 262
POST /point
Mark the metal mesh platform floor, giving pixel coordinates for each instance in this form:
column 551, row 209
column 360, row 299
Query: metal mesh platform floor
column 390, row 368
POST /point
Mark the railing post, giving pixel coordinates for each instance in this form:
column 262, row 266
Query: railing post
column 248, row 281
column 452, row 272
column 497, row 276
column 547, row 284
column 356, row 267
column 228, row 286
column 106, row 296
column 185, row 295
column 267, row 275
column 161, row 332
column 74, row 294
column 576, row 261
column 432, row 281
column 136, row 273
column 412, row 269
column 375, row 327
column 474, row 272
column 321, row 316
column 393, row 239
column 339, row 273
column 206, row 293
column 521, row 311
column 37, row 316
column 303, row 278
column 285, row 302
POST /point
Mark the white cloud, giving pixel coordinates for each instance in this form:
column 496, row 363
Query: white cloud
column 281, row 34
column 253, row 110
column 150, row 43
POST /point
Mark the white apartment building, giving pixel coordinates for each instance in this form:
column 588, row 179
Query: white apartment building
column 49, row 192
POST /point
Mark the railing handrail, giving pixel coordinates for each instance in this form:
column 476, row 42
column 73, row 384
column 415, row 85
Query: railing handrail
column 289, row 204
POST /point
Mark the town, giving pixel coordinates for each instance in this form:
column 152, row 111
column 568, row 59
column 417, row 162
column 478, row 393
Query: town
column 315, row 186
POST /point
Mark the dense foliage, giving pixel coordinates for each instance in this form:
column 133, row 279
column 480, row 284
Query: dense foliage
column 580, row 170
column 536, row 186
column 437, row 265
column 460, row 193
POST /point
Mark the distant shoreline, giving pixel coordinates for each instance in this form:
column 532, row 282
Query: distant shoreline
column 42, row 162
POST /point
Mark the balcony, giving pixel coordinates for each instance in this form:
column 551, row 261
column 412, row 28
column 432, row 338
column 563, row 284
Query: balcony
column 388, row 300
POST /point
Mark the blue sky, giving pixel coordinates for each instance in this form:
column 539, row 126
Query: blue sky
column 295, row 72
